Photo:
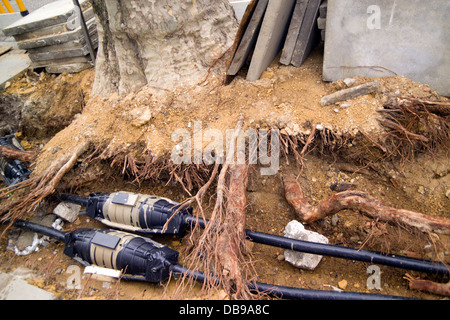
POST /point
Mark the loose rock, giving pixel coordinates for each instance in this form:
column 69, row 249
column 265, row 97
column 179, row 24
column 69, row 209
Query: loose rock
column 295, row 230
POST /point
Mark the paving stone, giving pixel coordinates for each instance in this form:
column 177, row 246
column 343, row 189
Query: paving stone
column 309, row 34
column 249, row 38
column 6, row 19
column 271, row 36
column 52, row 55
column 57, row 12
column 293, row 31
column 13, row 63
column 60, row 62
column 48, row 39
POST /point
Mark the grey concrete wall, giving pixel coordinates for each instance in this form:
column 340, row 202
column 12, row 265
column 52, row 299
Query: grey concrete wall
column 376, row 38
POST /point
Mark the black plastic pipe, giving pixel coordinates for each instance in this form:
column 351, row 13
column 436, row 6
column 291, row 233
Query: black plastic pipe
column 292, row 293
column 74, row 199
column 340, row 252
column 35, row 227
column 349, row 253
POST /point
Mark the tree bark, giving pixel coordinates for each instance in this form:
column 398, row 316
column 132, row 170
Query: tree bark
column 159, row 42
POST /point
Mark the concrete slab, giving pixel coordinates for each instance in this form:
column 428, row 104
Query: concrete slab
column 60, row 62
column 6, row 19
column 58, row 37
column 293, row 31
column 249, row 38
column 309, row 34
column 68, row 68
column 53, row 13
column 75, row 44
column 13, row 287
column 271, row 37
column 60, row 54
column 4, row 48
column 13, row 63
column 384, row 38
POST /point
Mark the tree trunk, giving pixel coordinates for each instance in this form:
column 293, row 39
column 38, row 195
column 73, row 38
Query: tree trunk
column 161, row 43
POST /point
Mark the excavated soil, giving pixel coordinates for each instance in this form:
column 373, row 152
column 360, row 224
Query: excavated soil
column 287, row 98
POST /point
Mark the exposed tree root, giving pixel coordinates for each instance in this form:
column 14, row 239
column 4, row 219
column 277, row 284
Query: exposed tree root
column 442, row 289
column 43, row 185
column 219, row 250
column 359, row 201
column 16, row 154
column 231, row 242
column 415, row 125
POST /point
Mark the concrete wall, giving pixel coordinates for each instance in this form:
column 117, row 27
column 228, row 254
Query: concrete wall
column 377, row 38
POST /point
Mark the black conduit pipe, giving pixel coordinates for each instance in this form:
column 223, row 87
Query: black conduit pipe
column 349, row 253
column 341, row 252
column 292, row 293
column 35, row 227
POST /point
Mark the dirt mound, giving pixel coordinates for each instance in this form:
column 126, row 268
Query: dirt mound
column 285, row 97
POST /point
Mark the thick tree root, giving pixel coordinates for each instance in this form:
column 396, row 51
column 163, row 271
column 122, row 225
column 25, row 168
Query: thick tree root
column 231, row 241
column 16, row 154
column 442, row 289
column 359, row 201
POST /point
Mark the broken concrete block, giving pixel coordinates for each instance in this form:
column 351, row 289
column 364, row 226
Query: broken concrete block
column 249, row 38
column 67, row 211
column 13, row 287
column 293, row 31
column 349, row 82
column 295, row 230
column 386, row 38
column 271, row 37
column 353, row 92
column 321, row 23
